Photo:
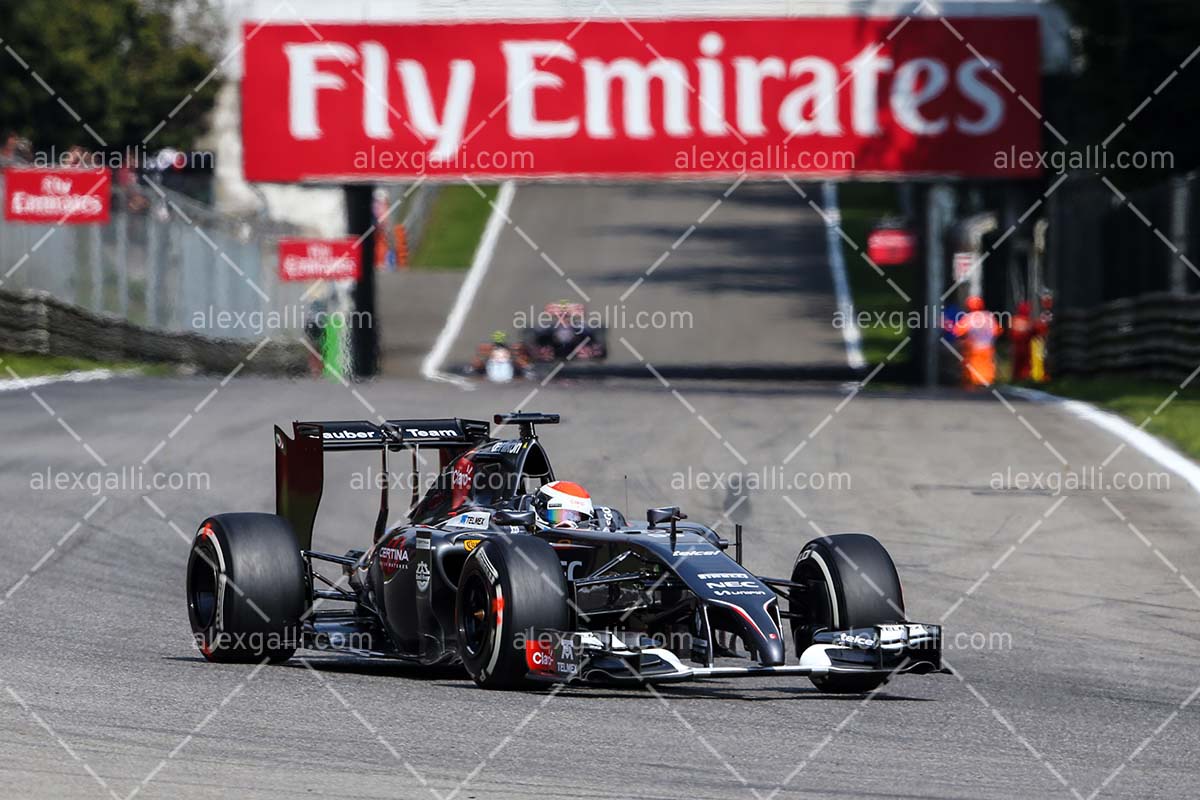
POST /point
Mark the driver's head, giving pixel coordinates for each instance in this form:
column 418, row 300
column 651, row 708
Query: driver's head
column 562, row 504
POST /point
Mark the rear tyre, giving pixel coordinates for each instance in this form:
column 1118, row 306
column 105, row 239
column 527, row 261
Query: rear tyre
column 850, row 582
column 246, row 589
column 511, row 587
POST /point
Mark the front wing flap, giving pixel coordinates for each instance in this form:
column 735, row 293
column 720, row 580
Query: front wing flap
column 603, row 657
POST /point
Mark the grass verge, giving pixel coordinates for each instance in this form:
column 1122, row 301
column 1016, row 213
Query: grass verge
column 32, row 366
column 456, row 223
column 1177, row 421
column 862, row 206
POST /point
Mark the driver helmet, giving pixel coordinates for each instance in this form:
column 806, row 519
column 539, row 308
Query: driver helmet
column 562, row 504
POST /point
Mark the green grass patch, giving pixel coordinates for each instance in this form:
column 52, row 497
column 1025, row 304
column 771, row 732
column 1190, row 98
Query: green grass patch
column 32, row 366
column 1138, row 400
column 862, row 206
column 456, row 223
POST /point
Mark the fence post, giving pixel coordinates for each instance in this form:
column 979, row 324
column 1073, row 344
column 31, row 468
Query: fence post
column 939, row 213
column 153, row 264
column 122, row 265
column 1177, row 269
column 96, row 256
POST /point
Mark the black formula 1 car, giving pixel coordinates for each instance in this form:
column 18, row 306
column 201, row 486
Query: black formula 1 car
column 474, row 578
column 564, row 333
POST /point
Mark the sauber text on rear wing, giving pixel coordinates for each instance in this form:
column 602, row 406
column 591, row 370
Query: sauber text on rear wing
column 364, row 435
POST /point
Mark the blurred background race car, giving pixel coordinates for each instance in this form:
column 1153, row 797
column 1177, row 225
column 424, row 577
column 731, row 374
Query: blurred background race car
column 500, row 362
column 562, row 332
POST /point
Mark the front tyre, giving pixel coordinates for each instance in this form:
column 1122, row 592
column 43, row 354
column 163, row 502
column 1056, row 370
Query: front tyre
column 849, row 581
column 246, row 588
column 510, row 588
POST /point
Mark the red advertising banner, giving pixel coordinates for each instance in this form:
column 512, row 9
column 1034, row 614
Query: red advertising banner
column 820, row 96
column 319, row 259
column 890, row 247
column 69, row 196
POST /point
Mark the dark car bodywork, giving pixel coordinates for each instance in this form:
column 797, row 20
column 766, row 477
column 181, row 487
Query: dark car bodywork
column 645, row 599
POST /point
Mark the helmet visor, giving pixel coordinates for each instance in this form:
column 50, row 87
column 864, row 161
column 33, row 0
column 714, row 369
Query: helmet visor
column 557, row 516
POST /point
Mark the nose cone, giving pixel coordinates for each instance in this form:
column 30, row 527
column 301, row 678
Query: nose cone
column 770, row 651
column 759, row 627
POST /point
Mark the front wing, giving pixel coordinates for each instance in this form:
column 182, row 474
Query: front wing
column 602, row 657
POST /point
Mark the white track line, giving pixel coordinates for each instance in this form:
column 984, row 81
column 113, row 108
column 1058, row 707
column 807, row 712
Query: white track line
column 841, row 285
column 431, row 367
column 1148, row 445
column 78, row 376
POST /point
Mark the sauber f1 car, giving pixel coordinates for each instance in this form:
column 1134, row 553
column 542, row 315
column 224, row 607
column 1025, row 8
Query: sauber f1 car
column 476, row 576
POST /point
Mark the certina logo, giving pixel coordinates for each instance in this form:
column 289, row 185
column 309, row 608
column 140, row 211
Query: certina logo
column 393, row 557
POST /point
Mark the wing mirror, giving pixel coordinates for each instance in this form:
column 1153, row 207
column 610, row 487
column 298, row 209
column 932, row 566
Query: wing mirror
column 656, row 516
column 670, row 514
column 520, row 519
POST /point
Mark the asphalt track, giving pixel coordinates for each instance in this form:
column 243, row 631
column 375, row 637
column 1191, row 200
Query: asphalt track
column 697, row 278
column 1080, row 676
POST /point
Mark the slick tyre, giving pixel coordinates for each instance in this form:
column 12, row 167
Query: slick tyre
column 246, row 588
column 850, row 582
column 510, row 587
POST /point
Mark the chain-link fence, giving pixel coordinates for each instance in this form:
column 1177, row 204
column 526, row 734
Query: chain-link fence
column 163, row 262
column 1108, row 244
column 1127, row 288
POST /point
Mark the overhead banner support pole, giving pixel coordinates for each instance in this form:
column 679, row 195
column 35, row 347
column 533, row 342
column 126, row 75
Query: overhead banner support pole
column 939, row 215
column 364, row 338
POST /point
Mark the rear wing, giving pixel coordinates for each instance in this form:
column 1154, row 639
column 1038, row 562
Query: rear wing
column 397, row 433
column 300, row 458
